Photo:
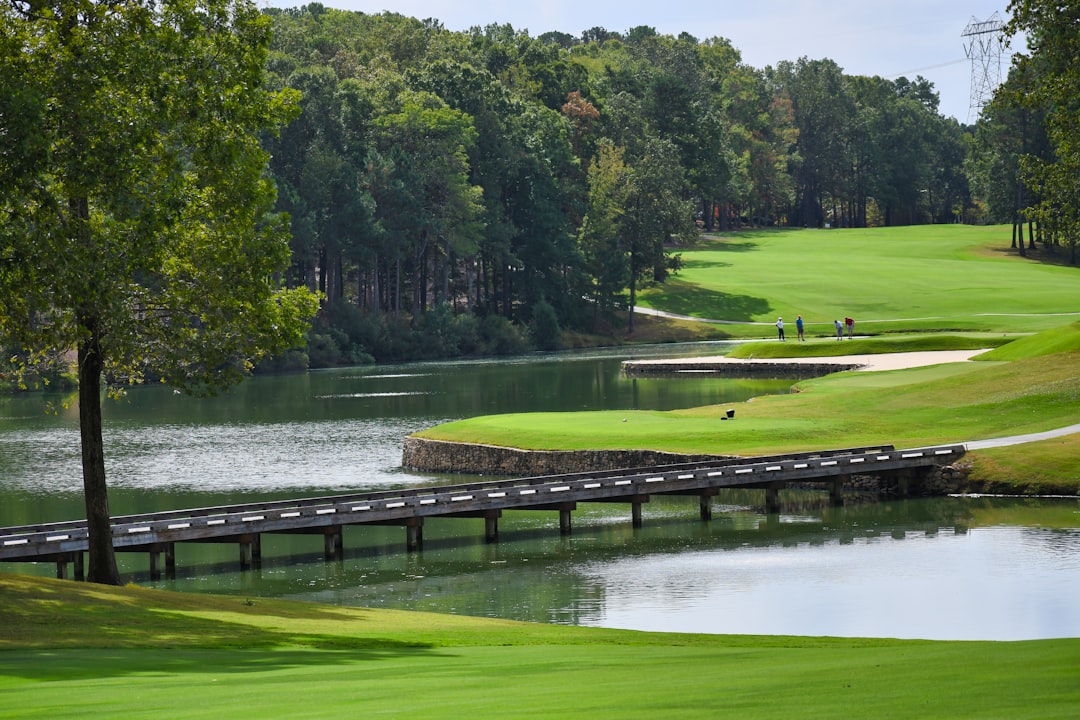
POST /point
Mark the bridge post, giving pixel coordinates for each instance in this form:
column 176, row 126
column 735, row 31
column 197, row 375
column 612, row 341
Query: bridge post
column 61, row 567
column 491, row 526
column 79, row 567
column 414, row 534
column 772, row 500
column 635, row 513
column 836, row 490
column 333, row 543
column 564, row 521
column 170, row 560
column 903, row 483
column 245, row 555
column 250, row 550
column 155, row 562
column 705, row 503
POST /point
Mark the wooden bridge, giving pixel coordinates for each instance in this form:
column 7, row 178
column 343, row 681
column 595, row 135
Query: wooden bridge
column 157, row 533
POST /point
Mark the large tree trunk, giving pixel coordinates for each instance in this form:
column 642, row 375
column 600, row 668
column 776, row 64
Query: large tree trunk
column 102, row 566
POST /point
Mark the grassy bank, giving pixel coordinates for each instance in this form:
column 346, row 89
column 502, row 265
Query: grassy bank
column 923, row 278
column 77, row 650
column 957, row 402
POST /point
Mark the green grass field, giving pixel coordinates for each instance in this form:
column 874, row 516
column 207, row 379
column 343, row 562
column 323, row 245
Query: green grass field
column 929, row 277
column 72, row 650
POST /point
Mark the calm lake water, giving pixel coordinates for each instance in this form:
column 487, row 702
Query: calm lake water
column 947, row 568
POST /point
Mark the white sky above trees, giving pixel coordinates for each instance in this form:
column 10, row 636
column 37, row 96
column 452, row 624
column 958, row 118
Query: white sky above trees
column 865, row 37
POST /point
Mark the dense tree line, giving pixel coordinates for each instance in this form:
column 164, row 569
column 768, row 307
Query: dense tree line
column 479, row 192
column 474, row 192
column 1025, row 159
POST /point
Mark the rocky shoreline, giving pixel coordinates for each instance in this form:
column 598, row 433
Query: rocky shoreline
column 779, row 370
column 440, row 456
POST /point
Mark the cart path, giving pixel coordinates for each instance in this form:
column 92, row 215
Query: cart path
column 676, row 316
column 1021, row 439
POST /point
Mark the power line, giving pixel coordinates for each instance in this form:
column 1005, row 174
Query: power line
column 928, row 67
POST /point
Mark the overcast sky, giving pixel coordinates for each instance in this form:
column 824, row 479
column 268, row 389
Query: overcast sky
column 865, row 37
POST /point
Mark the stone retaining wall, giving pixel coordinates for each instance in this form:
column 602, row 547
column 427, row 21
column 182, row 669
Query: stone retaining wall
column 769, row 370
column 465, row 458
column 936, row 481
column 946, row 479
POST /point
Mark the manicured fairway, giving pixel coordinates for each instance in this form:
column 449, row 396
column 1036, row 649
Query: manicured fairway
column 953, row 277
column 961, row 680
column 68, row 650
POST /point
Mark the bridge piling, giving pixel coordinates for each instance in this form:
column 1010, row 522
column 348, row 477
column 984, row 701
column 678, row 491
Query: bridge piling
column 491, row 527
column 635, row 510
column 772, row 500
column 156, row 551
column 414, row 534
column 333, row 543
column 705, row 504
column 836, row 490
column 250, row 550
column 155, row 563
column 76, row 560
column 564, row 520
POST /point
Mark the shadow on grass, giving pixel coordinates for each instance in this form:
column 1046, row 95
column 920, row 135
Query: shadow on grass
column 700, row 262
column 47, row 617
column 653, row 330
column 726, row 244
column 84, row 664
column 1043, row 255
column 678, row 296
column 739, row 239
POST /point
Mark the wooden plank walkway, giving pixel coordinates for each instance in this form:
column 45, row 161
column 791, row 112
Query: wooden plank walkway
column 156, row 533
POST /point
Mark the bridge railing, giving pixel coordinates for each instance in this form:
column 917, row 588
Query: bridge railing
column 271, row 505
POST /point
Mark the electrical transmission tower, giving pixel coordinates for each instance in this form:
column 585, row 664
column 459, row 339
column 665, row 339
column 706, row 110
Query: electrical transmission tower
column 984, row 44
